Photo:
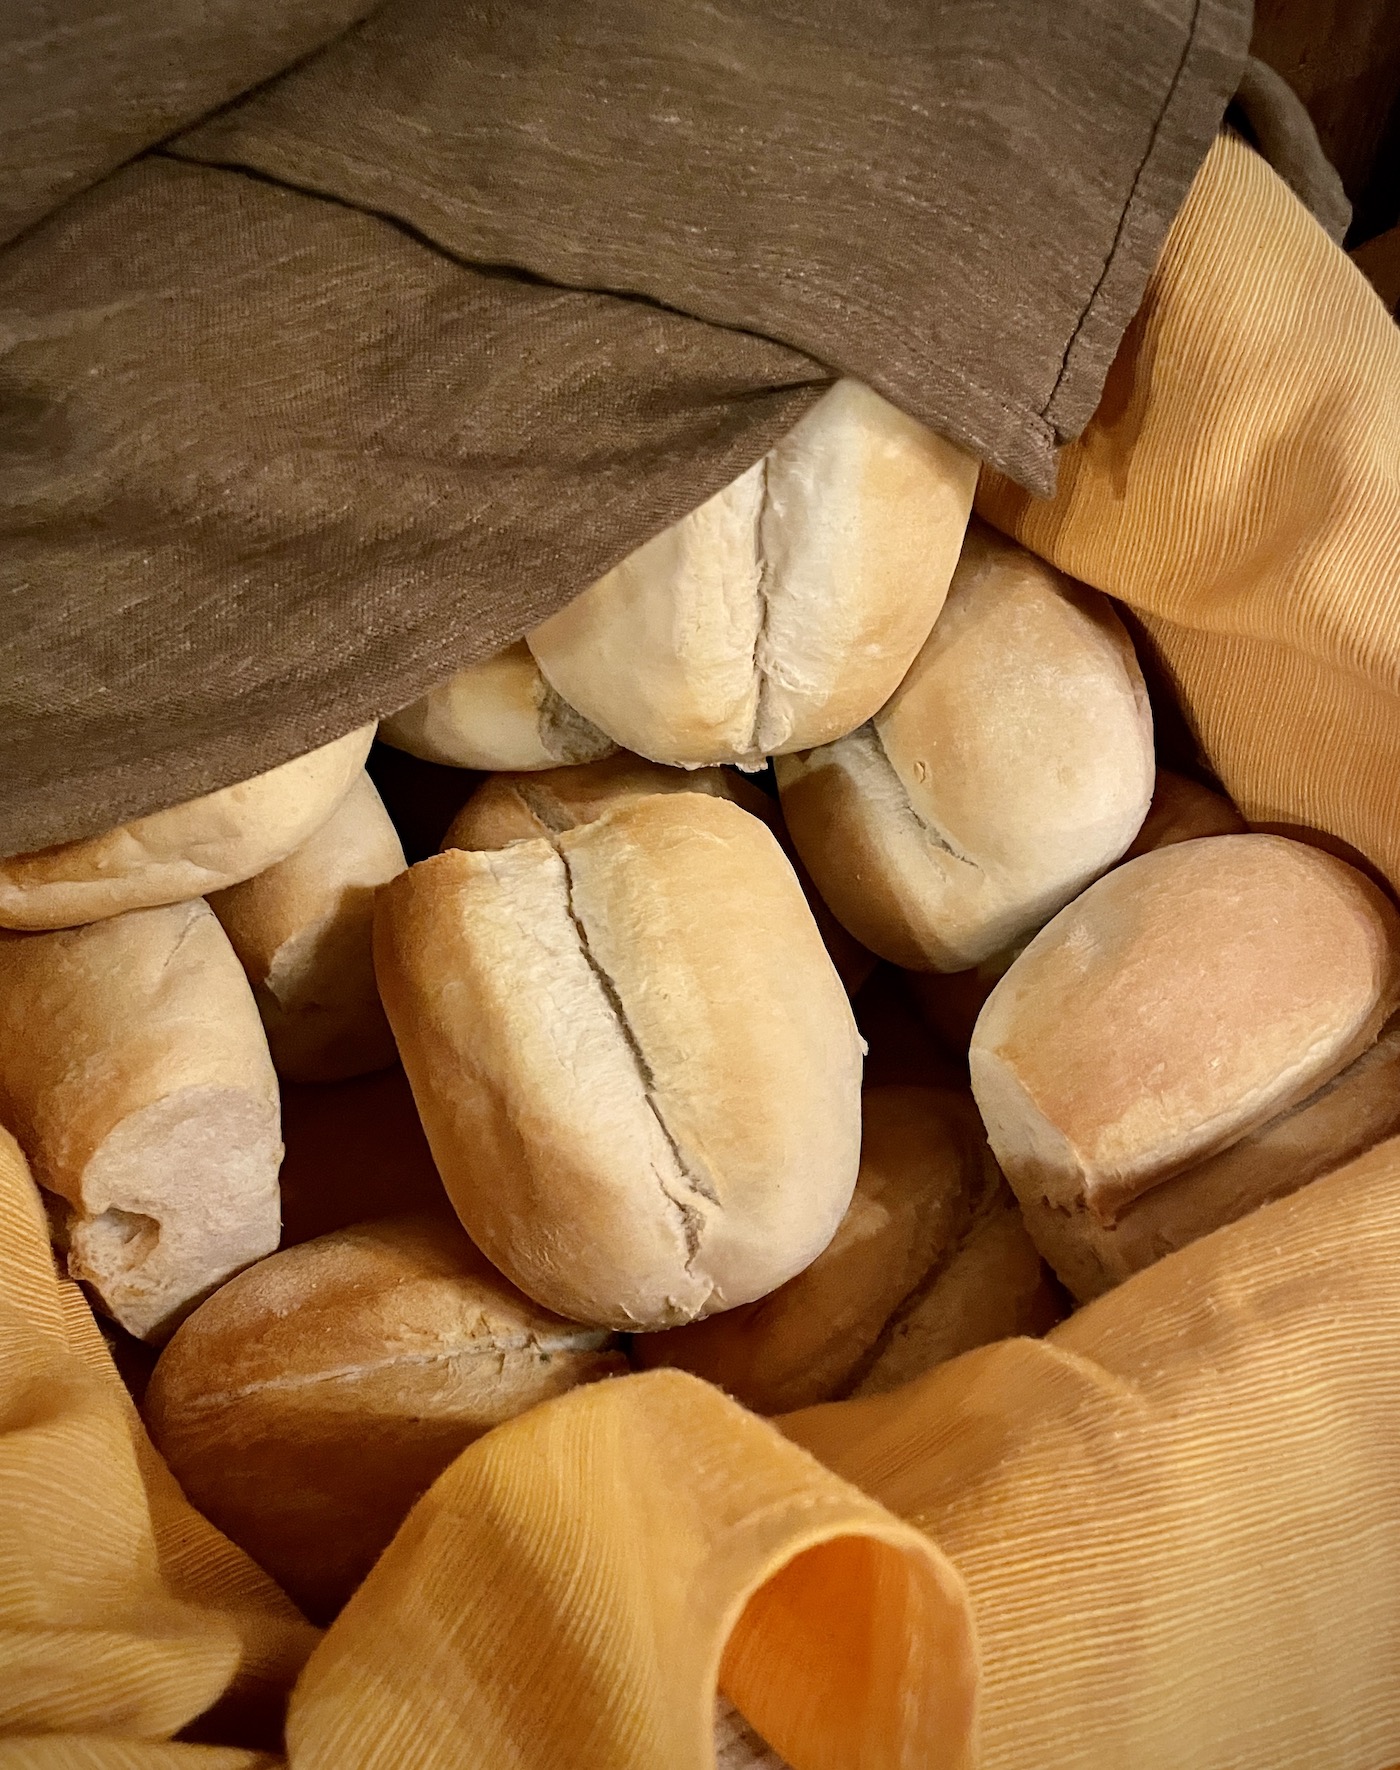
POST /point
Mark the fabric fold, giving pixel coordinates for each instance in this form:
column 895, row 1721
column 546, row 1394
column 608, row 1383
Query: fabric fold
column 573, row 1587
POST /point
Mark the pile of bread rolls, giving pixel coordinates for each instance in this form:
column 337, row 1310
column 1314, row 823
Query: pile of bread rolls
column 582, row 1091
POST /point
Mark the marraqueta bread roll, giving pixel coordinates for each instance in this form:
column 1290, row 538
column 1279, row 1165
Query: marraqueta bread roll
column 135, row 1074
column 635, row 1064
column 304, row 932
column 1183, row 1002
column 307, row 1405
column 783, row 612
column 186, row 850
column 500, row 714
column 517, row 807
column 924, row 1172
column 1342, row 1120
column 1011, row 766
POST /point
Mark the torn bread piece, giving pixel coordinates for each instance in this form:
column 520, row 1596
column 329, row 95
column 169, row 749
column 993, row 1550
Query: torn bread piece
column 782, row 612
column 636, row 1067
column 517, row 807
column 135, row 1074
column 307, row 1405
column 303, row 931
column 499, row 714
column 186, row 850
column 1011, row 766
column 1181, row 1004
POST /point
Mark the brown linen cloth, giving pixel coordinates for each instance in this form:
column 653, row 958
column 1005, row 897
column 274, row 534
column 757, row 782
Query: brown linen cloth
column 408, row 346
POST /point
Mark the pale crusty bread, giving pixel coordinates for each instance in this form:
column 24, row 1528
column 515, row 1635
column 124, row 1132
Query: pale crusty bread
column 1009, row 768
column 135, row 1074
column 995, row 1286
column 1182, row 810
column 1182, row 1002
column 185, row 850
column 1342, row 1120
column 784, row 611
column 304, row 933
column 307, row 1405
column 924, row 1171
column 635, row 1127
column 499, row 714
column 518, row 807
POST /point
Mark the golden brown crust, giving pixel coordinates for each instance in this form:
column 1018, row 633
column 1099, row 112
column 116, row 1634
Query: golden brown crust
column 185, row 850
column 1347, row 1116
column 1183, row 1001
column 303, row 931
column 636, row 1129
column 310, row 1401
column 1182, row 810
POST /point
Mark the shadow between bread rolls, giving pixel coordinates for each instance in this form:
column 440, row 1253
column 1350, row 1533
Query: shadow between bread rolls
column 636, row 1067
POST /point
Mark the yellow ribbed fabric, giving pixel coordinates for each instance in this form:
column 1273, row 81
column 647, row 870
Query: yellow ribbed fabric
column 122, row 1611
column 1178, row 1517
column 570, row 1584
column 1239, row 487
column 1168, row 1538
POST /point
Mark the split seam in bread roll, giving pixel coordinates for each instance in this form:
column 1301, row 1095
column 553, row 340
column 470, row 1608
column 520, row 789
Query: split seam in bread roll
column 635, row 1128
column 783, row 611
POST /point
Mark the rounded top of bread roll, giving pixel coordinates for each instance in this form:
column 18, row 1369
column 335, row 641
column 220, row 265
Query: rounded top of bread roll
column 309, row 1402
column 1011, row 765
column 783, row 611
column 1183, row 1000
column 498, row 714
column 186, row 850
column 635, row 1064
column 1182, row 810
column 525, row 807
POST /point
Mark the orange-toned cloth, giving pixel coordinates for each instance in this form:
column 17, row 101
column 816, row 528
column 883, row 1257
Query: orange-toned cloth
column 1166, row 1538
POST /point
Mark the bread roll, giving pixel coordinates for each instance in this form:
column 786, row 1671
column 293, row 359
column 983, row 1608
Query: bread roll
column 924, row 1171
column 135, row 1074
column 355, row 1150
column 993, row 1287
column 500, row 714
column 783, row 612
column 1181, row 1003
column 185, row 850
column 1343, row 1119
column 512, row 808
column 304, row 933
column 310, row 1402
column 636, row 1067
column 1182, row 810
column 508, row 808
column 1009, row 768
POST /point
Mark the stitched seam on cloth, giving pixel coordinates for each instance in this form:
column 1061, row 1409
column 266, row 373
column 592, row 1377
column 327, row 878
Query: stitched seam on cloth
column 1023, row 416
column 1127, row 208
